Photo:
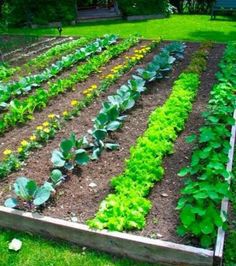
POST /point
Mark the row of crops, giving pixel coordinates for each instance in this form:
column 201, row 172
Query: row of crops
column 63, row 114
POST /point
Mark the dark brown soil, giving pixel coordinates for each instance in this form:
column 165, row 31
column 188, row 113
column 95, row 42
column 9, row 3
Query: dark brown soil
column 27, row 49
column 162, row 221
column 37, row 69
column 62, row 102
column 75, row 197
column 25, row 72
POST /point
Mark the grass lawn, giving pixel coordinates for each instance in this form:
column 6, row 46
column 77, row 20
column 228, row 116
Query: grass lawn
column 40, row 252
column 177, row 27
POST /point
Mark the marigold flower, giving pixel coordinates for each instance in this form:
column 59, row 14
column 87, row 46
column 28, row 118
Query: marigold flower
column 7, row 152
column 74, row 102
column 110, row 76
column 24, row 143
column 94, row 86
column 39, row 128
column 46, row 130
column 33, row 138
column 46, row 124
column 51, row 116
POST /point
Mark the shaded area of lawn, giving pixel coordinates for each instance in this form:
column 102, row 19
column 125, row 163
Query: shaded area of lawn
column 177, row 27
column 40, row 252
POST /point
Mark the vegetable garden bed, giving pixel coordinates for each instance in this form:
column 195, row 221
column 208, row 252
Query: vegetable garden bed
column 27, row 152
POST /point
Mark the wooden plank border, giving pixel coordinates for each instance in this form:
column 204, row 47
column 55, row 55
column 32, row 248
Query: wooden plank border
column 136, row 247
column 219, row 248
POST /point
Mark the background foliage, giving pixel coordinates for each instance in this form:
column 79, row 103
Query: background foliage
column 193, row 6
column 26, row 12
column 142, row 7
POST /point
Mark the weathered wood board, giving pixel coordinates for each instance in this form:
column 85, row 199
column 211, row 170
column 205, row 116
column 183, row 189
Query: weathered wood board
column 139, row 248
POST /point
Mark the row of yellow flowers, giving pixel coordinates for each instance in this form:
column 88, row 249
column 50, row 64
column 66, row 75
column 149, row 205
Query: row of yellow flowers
column 48, row 129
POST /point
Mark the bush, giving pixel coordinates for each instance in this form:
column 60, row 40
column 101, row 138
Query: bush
column 27, row 12
column 142, row 7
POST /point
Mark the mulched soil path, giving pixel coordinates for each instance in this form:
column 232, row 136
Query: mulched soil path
column 75, row 197
column 162, row 221
column 13, row 51
column 38, row 69
column 62, row 102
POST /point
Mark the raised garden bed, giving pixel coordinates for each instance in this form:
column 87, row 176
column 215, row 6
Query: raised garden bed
column 77, row 200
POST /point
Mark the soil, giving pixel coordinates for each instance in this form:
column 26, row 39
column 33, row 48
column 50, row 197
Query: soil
column 162, row 220
column 29, row 48
column 75, row 197
column 62, row 102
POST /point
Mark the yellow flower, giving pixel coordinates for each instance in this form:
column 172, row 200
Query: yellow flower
column 110, row 76
column 39, row 128
column 20, row 149
column 46, row 130
column 51, row 116
column 89, row 94
column 7, row 152
column 74, row 102
column 46, row 124
column 85, row 92
column 24, row 143
column 65, row 113
column 94, row 86
column 33, row 138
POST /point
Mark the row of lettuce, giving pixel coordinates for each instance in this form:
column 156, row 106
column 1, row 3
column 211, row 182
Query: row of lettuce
column 20, row 111
column 14, row 159
column 78, row 152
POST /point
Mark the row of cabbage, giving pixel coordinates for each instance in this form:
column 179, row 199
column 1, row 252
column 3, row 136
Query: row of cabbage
column 26, row 84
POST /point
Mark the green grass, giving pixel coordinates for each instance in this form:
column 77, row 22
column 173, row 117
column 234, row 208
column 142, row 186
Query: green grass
column 40, row 252
column 177, row 27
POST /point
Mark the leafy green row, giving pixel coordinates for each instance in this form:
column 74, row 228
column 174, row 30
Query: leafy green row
column 127, row 207
column 21, row 111
column 75, row 151
column 42, row 60
column 53, row 54
column 72, row 150
column 7, row 72
column 206, row 183
column 26, row 84
column 13, row 160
